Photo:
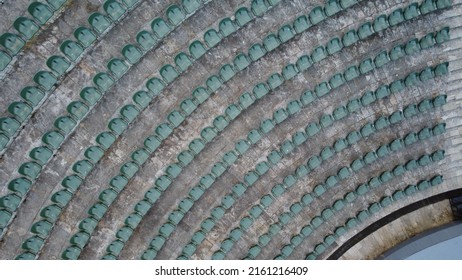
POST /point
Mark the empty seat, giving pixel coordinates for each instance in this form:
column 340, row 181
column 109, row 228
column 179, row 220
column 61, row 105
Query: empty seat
column 10, row 202
column 227, row 27
column 20, row 110
column 42, row 228
column 41, row 155
column 380, row 23
column 103, row 81
column 77, row 109
column 85, row 36
column 334, row 45
column 5, row 59
column 301, row 24
column 26, row 27
column 45, row 79
column 256, row 52
column 351, row 73
column 286, row 33
column 318, row 54
column 117, row 67
column 160, row 27
column 317, row 15
column 411, row 11
column 365, row 30
column 175, row 15
column 51, row 213
column 427, row 6
column 41, row 12
column 82, row 168
column 146, row 40
column 243, row 16
column 396, row 17
column 53, row 139
column 114, row 9
column 99, row 22
column 258, row 7
column 336, row 81
column 12, row 42
column 212, row 38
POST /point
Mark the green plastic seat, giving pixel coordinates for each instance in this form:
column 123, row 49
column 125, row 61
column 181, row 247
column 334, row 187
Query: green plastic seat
column 351, row 73
column 142, row 207
column 41, row 154
column 39, row 11
column 242, row 146
column 175, row 118
column 191, row 5
column 243, row 16
column 107, row 197
column 410, row 138
column 30, row 169
column 160, row 27
column 173, row 170
column 412, row 47
column 97, row 211
column 9, row 126
column 217, row 213
column 381, row 123
column 326, row 120
column 426, row 74
column 331, row 181
column 289, row 71
column 304, row 62
column 88, row 225
column 50, row 213
column 71, row 183
column 350, row 38
column 286, row 33
column 399, row 170
column 262, row 168
column 340, row 145
column 175, row 15
column 258, row 7
column 423, row 185
column 42, row 228
column 20, row 110
column 212, row 38
column 442, row 35
column 117, row 67
column 397, row 52
column 317, row 15
column 289, row 181
column 411, row 11
column 12, row 42
column 274, row 157
column 280, row 115
column 382, row 151
column 245, row 223
column 241, row 61
column 441, row 69
column 103, row 81
column 133, row 220
column 274, row 229
column 124, row 233
column 367, row 130
column 386, row 176
column 91, row 95
column 326, row 153
column 84, row 36
column 424, row 160
column 332, row 7
column 226, row 27
column 146, row 40
column 340, row 113
column 62, row 198
column 152, row 195
column 10, row 202
column 5, row 59
column 82, row 168
column 117, row 126
column 187, row 107
column 322, row 89
column 427, row 6
column 381, row 59
column 32, row 95
column 314, row 162
column 3, row 140
column 20, row 186
column 77, row 109
column 365, row 30
column 410, row 190
column 396, row 145
column 301, row 24
column 397, row 195
column 80, row 239
column 266, row 201
column 412, row 79
column 307, row 97
column 336, row 81
column 213, row 83
column 316, row 222
column 334, row 45
column 26, row 27
column 208, row 134
column 299, row 138
column 439, row 129
column 114, row 9
column 115, row 247
column 427, row 41
column 33, row 244
column 142, row 99
column 287, row 147
column 163, row 182
column 207, row 225
column 256, row 52
column 197, row 49
column 182, row 61
column 396, row 17
column 366, row 66
column 318, row 54
column 264, row 239
column 250, row 178
column 362, row 189
column 132, row 53
column 168, row 73
column 396, row 117
column 374, row 208
column 155, row 85
column 380, row 23
column 410, row 111
column 425, row 105
column 99, row 22
column 227, row 72
column 254, row 136
column 319, row 190
column 347, row 3
column 45, row 79
column 436, row 180
column 140, row 156
column 71, row 253
column 254, row 251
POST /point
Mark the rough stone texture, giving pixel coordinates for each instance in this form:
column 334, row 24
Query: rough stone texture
column 33, row 58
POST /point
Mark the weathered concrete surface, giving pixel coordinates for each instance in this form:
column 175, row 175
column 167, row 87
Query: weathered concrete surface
column 193, row 28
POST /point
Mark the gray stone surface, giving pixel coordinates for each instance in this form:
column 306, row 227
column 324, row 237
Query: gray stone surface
column 47, row 43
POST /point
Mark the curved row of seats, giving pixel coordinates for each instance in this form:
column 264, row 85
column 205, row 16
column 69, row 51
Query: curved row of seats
column 77, row 110
column 32, row 96
column 200, row 95
column 343, row 173
column 142, row 99
column 241, row 147
column 72, row 52
column 169, row 73
column 373, row 209
column 237, row 111
column 303, row 170
column 341, row 144
column 325, row 120
column 26, row 27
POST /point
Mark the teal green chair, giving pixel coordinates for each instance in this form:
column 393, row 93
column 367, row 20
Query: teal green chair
column 42, row 228
column 427, row 6
column 114, row 9
column 71, row 183
column 5, row 59
column 82, row 168
column 380, row 23
column 45, row 79
column 71, row 49
column 53, row 139
column 332, row 7
column 103, row 81
column 51, row 213
column 256, row 52
column 258, row 7
column 12, row 42
column 117, row 67
column 175, row 15
column 365, row 30
column 41, row 155
column 286, row 33
column 85, row 36
column 77, row 109
column 146, row 40
column 317, row 15
column 191, row 5
column 212, row 38
column 41, row 12
column 396, row 17
column 132, row 53
column 160, row 27
column 20, row 110
column 301, row 24
column 33, row 244
column 99, row 22
column 226, row 27
column 26, row 27
column 243, row 16
column 350, row 38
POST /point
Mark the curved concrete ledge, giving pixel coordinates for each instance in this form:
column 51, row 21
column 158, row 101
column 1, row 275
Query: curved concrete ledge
column 390, row 218
column 424, row 241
